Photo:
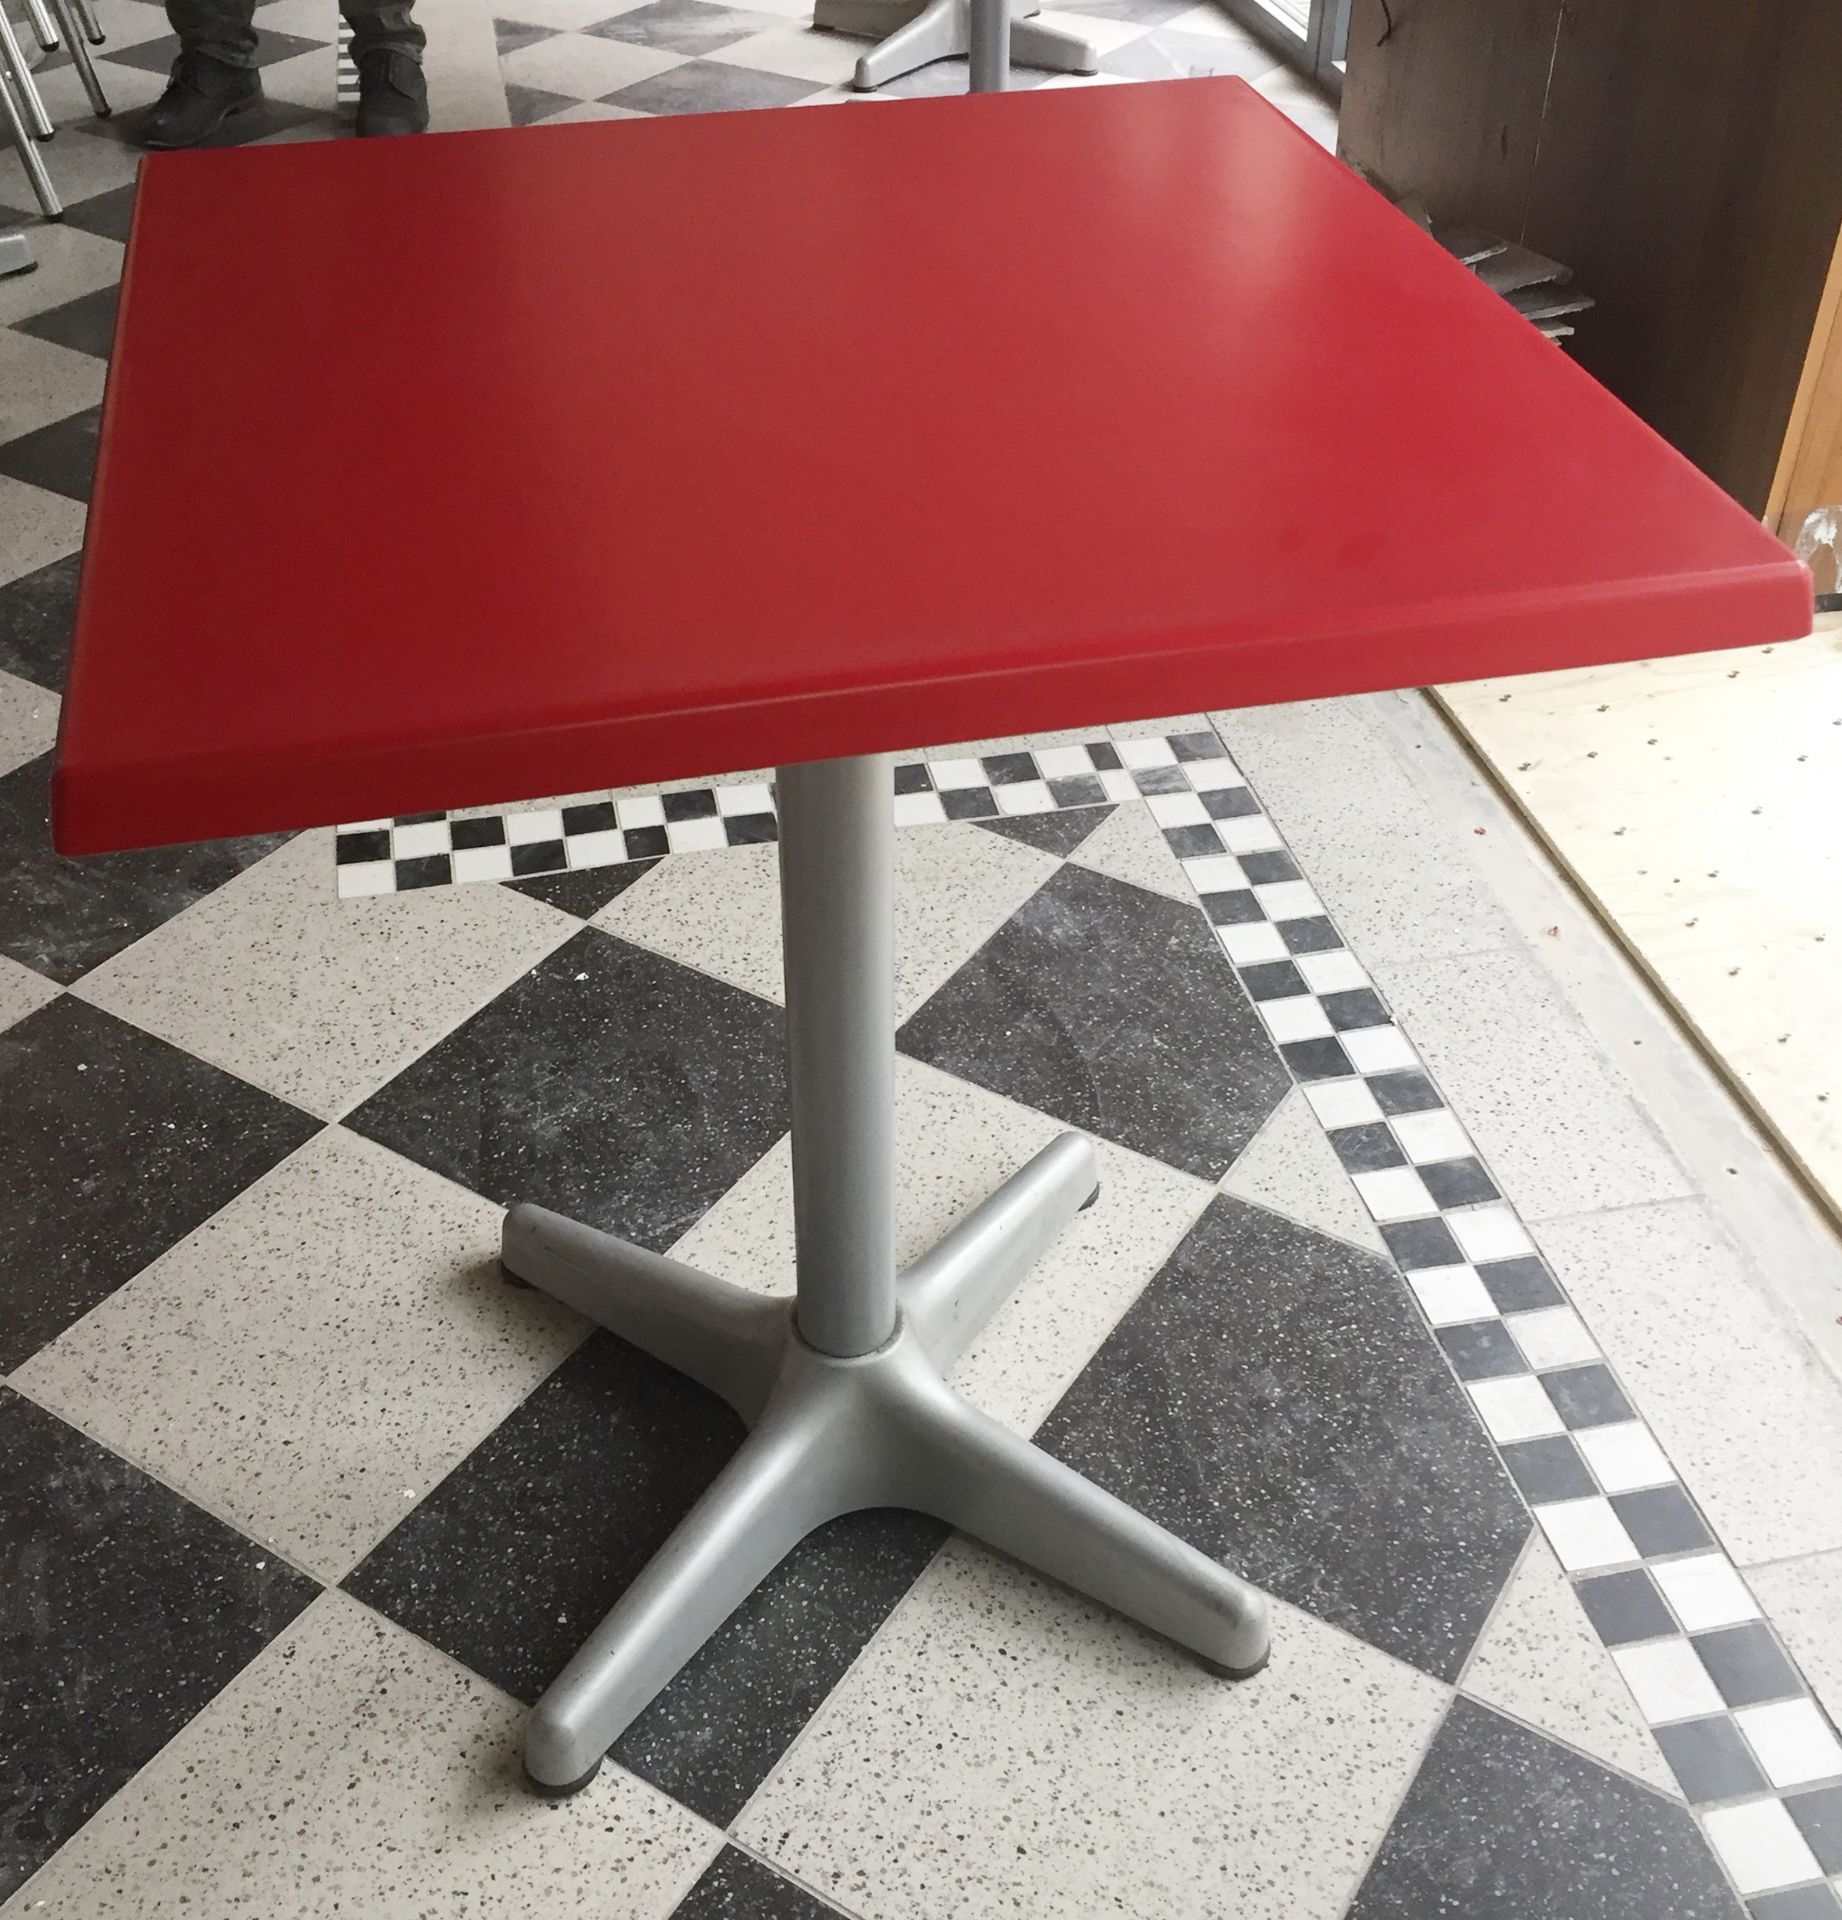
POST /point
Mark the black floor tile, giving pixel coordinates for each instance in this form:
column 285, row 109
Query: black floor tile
column 1501, row 1824
column 1058, row 833
column 1800, row 1903
column 156, row 56
column 684, row 26
column 64, row 917
column 1116, row 1010
column 84, row 325
column 736, row 1887
column 1710, row 1759
column 1747, row 1664
column 1273, row 1397
column 125, row 1610
column 1661, row 1520
column 510, row 35
column 583, row 893
column 608, row 1083
column 60, row 458
column 711, row 86
column 1819, row 1819
column 37, row 612
column 1623, row 1607
column 1551, row 1468
column 525, row 106
column 113, row 1145
column 512, row 1560
column 105, row 214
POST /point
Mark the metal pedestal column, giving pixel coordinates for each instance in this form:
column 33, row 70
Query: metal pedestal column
column 946, row 28
column 841, row 1387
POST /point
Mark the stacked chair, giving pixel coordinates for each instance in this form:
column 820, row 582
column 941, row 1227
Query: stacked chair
column 54, row 23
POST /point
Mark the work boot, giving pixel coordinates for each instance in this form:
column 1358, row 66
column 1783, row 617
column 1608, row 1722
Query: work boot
column 393, row 97
column 200, row 96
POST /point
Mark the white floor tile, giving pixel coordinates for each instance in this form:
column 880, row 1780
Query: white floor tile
column 1451, row 1296
column 1128, row 845
column 22, row 991
column 1668, row 1681
column 1514, row 1409
column 1760, row 1846
column 1557, row 1337
column 319, row 999
column 720, row 911
column 1793, row 1742
column 1705, row 1592
column 352, row 1769
column 40, row 383
column 28, row 721
column 1748, row 1413
column 1289, row 1166
column 36, row 527
column 1395, row 1193
column 1540, row 1660
column 1003, row 1747
column 1624, row 1456
column 584, row 66
column 1490, row 1233
column 1430, row 1137
column 82, row 165
column 317, row 1355
column 1586, row 1534
column 1804, row 1601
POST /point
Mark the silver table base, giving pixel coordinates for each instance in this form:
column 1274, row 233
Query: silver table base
column 841, row 1387
column 945, row 29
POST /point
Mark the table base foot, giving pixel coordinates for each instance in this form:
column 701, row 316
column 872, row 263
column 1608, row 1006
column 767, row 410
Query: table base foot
column 831, row 1436
column 943, row 30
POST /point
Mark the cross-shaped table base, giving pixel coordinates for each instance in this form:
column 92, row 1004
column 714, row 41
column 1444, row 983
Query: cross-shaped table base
column 842, row 1388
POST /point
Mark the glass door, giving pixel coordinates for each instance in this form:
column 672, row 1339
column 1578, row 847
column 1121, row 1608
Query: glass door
column 1311, row 35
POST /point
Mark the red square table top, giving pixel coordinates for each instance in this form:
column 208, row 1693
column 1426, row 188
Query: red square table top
column 451, row 470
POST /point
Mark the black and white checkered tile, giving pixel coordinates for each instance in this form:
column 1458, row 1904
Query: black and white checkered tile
column 1754, row 1751
column 1743, row 1733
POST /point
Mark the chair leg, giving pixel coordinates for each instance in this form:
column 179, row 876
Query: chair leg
column 43, row 29
column 29, row 156
column 63, row 11
column 13, row 67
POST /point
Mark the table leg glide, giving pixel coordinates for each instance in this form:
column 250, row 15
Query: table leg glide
column 833, row 1435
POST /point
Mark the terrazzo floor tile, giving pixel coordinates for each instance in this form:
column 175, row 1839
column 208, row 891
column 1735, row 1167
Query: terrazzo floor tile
column 1130, row 846
column 720, row 911
column 609, row 1455
column 1546, row 1107
column 800, row 52
column 684, row 26
column 1803, row 1600
column 316, row 1356
column 1292, row 1168
column 60, row 457
column 708, row 86
column 992, row 1753
column 70, row 262
column 85, row 166
column 352, row 1770
column 1675, row 1308
column 113, row 1146
column 1310, row 1435
column 36, row 527
column 1116, row 1011
column 65, row 917
column 1394, row 874
column 1501, row 1824
column 41, row 381
column 36, row 614
column 582, row 894
column 608, row 1083
column 1540, row 1661
column 1058, row 834
column 580, row 66
column 22, row 991
column 126, row 1610
column 85, row 327
column 737, row 1887
column 958, row 1143
column 28, row 721
column 320, row 999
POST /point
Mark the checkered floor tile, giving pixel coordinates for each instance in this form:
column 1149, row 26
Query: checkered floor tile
column 297, row 1500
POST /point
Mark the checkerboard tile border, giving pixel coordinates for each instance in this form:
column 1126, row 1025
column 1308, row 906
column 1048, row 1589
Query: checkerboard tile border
column 1754, row 1753
column 345, row 68
column 435, row 849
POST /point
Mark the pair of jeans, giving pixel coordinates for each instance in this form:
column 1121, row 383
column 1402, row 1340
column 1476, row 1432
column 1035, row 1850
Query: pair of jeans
column 225, row 29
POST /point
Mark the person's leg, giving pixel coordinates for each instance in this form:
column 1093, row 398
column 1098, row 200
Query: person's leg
column 387, row 48
column 214, row 76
